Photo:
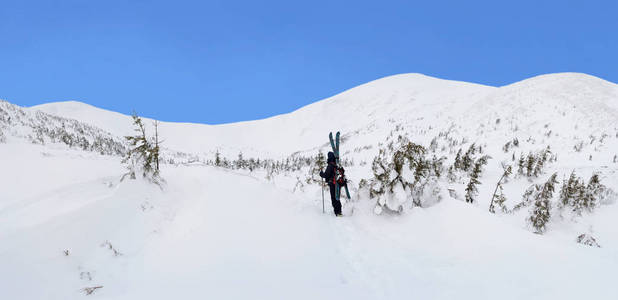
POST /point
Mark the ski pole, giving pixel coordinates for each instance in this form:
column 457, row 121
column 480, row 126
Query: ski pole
column 322, row 184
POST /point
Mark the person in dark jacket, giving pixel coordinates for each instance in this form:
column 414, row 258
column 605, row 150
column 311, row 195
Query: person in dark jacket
column 329, row 176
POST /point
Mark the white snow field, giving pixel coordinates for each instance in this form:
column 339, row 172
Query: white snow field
column 67, row 222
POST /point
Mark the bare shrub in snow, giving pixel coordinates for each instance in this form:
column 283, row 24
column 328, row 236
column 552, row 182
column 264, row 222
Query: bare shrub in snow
column 109, row 246
column 510, row 144
column 299, row 185
column 318, row 165
column 498, row 198
column 90, row 290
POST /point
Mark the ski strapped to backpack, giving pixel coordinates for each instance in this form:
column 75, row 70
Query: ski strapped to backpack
column 339, row 179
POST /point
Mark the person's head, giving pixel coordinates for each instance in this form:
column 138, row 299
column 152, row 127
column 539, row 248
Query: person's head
column 331, row 157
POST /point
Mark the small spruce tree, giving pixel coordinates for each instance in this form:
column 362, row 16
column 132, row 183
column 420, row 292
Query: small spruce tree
column 467, row 161
column 218, row 162
column 538, row 167
column 568, row 191
column 520, row 165
column 450, row 175
column 240, row 161
column 471, row 189
column 457, row 164
column 140, row 157
column 540, row 213
column 530, row 164
column 594, row 189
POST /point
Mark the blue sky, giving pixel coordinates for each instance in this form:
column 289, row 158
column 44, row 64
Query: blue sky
column 225, row 61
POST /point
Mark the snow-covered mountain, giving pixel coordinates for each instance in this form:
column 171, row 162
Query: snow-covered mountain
column 68, row 223
column 368, row 109
column 367, row 114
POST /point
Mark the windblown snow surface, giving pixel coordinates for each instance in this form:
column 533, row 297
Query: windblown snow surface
column 68, row 223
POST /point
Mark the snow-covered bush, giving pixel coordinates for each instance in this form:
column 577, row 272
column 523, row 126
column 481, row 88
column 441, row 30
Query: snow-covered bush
column 318, row 165
column 533, row 164
column 465, row 165
column 588, row 240
column 579, row 197
column 402, row 174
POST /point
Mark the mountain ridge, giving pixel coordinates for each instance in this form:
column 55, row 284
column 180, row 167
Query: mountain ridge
column 365, row 111
column 66, row 107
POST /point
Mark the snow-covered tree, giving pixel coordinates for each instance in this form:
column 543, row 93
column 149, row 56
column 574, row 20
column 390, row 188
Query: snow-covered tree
column 569, row 191
column 594, row 191
column 218, row 159
column 580, row 197
column 240, row 162
column 538, row 167
column 471, row 189
column 142, row 157
column 467, row 161
column 521, row 165
column 540, row 212
column 530, row 160
column 457, row 163
column 450, row 175
column 138, row 157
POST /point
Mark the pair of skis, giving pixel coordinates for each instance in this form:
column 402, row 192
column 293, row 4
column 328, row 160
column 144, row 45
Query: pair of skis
column 339, row 171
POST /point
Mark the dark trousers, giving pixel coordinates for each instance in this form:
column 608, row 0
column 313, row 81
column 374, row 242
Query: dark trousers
column 333, row 198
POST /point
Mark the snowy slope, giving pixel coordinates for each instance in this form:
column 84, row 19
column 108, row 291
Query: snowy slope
column 198, row 239
column 234, row 234
column 42, row 128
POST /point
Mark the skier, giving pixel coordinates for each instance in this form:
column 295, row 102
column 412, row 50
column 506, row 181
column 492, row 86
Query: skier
column 329, row 176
